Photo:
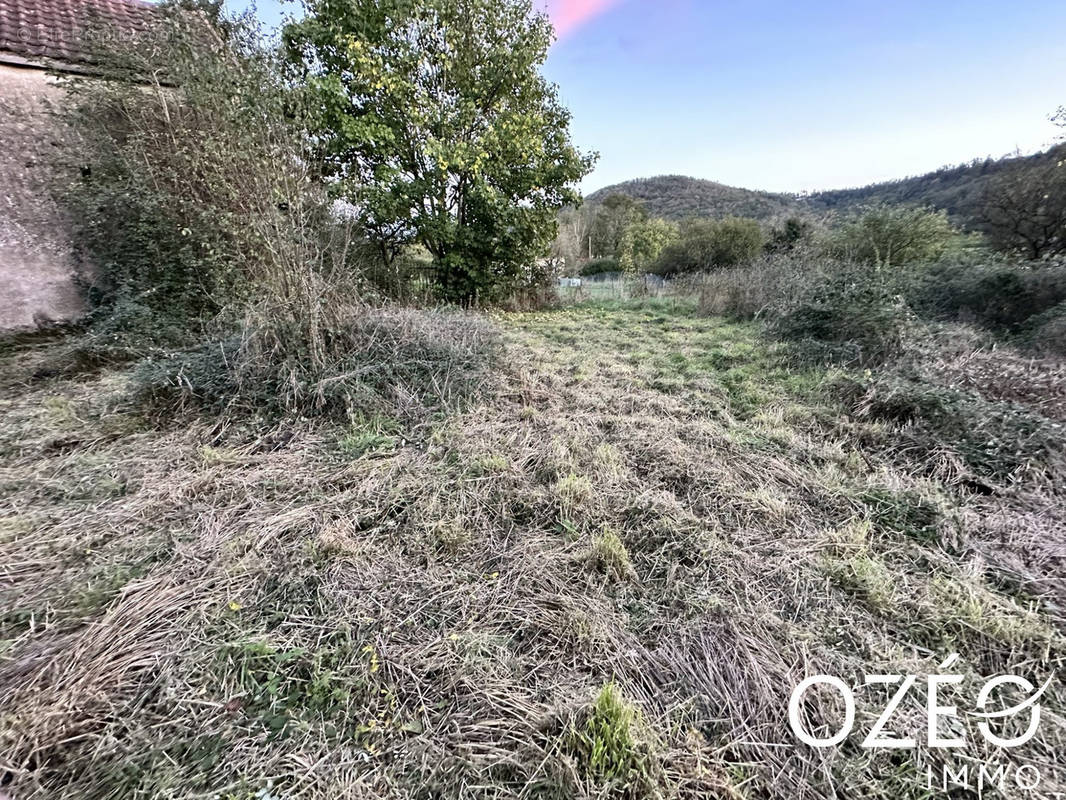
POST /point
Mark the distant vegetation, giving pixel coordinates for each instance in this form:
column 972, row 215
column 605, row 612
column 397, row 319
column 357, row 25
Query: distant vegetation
column 961, row 191
column 958, row 190
column 643, row 243
column 712, row 244
column 676, row 197
column 887, row 236
column 673, row 226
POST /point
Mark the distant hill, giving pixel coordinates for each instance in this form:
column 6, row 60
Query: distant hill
column 677, row 197
column 956, row 189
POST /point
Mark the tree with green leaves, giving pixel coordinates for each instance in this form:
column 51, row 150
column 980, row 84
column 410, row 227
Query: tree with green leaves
column 888, row 236
column 789, row 236
column 1024, row 212
column 609, row 222
column 709, row 244
column 643, row 242
column 437, row 125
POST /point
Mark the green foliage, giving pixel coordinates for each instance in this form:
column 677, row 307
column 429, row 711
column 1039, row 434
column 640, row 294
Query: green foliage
column 598, row 266
column 286, row 687
column 865, row 576
column 643, row 243
column 1023, row 211
column 712, row 244
column 891, row 236
column 610, row 219
column 369, row 434
column 995, row 439
column 1046, row 333
column 905, row 512
column 847, row 314
column 996, row 294
column 790, row 235
column 437, row 125
column 193, row 195
column 609, row 746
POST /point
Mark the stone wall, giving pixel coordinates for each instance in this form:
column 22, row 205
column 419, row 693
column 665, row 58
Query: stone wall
column 38, row 267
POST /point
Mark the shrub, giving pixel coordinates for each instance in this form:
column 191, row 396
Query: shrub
column 847, row 314
column 792, row 233
column 995, row 439
column 643, row 242
column 1046, row 333
column 712, row 244
column 749, row 291
column 197, row 188
column 890, row 236
column 601, row 266
column 993, row 293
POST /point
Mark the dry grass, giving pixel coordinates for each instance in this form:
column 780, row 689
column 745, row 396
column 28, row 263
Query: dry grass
column 648, row 501
column 339, row 359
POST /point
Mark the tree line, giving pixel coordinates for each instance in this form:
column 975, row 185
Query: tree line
column 1021, row 213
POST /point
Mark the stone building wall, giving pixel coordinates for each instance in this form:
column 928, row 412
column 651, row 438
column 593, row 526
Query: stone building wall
column 38, row 268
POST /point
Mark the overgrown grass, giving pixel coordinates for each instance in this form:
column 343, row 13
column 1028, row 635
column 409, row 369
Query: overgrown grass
column 602, row 578
column 360, row 361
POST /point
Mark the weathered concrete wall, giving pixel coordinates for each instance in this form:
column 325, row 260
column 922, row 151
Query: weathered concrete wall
column 37, row 260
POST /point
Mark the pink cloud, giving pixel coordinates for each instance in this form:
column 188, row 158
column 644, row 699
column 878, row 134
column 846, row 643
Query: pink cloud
column 569, row 15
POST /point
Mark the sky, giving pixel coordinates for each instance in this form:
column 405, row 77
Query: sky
column 793, row 96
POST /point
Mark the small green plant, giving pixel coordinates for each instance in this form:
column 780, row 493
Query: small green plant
column 608, row 555
column 216, row 456
column 905, row 512
column 488, row 464
column 359, row 442
column 573, row 490
column 449, row 537
column 865, row 576
column 609, row 743
column 281, row 685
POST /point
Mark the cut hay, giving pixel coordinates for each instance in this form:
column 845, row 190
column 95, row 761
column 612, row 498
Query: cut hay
column 269, row 612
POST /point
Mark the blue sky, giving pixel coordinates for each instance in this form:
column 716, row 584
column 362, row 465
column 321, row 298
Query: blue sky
column 787, row 95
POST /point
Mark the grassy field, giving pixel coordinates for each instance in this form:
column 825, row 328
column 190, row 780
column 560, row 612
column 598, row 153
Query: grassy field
column 602, row 579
